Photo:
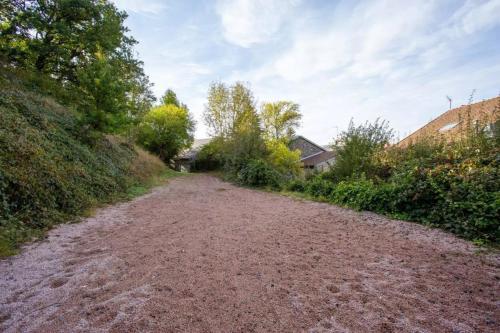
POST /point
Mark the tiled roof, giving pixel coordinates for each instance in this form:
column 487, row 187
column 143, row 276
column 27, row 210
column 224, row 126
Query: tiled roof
column 451, row 123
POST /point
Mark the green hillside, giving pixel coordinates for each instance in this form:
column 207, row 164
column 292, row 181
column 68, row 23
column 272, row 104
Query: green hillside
column 50, row 169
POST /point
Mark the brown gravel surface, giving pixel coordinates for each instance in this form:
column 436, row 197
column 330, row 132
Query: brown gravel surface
column 201, row 255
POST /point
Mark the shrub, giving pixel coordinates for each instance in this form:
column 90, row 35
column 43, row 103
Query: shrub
column 259, row 173
column 461, row 197
column 319, row 187
column 356, row 147
column 357, row 194
column 296, row 185
column 453, row 186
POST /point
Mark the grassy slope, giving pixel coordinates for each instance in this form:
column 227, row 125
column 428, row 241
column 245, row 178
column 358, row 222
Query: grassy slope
column 49, row 174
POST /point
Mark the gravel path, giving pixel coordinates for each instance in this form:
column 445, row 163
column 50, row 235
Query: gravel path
column 201, row 255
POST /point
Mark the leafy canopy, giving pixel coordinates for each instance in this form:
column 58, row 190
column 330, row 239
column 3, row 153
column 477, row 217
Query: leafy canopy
column 170, row 97
column 232, row 116
column 280, row 119
column 166, row 130
column 82, row 44
column 284, row 160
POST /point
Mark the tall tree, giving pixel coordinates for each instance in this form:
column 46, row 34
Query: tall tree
column 280, row 119
column 83, row 45
column 231, row 115
column 217, row 110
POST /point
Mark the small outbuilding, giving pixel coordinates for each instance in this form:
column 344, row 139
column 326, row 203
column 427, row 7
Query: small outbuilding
column 185, row 160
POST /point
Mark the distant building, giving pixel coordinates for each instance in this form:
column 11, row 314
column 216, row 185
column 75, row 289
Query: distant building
column 184, row 161
column 452, row 124
column 313, row 156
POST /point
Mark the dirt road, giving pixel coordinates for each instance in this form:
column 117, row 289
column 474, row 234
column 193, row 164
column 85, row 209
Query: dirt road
column 200, row 255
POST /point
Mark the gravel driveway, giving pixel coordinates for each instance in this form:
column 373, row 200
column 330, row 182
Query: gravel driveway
column 201, row 255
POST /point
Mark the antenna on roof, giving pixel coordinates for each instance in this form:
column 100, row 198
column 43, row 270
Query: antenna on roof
column 449, row 100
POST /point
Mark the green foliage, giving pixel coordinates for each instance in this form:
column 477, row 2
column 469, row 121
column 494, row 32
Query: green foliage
column 319, row 187
column 260, row 174
column 453, row 186
column 296, row 185
column 355, row 149
column 166, row 130
column 210, row 157
column 239, row 146
column 280, row 119
column 82, row 45
column 170, row 97
column 284, row 160
column 48, row 174
column 231, row 117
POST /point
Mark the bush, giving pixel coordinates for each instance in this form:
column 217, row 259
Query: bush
column 357, row 194
column 356, row 147
column 260, row 174
column 296, row 185
column 319, row 187
column 453, row 186
column 461, row 197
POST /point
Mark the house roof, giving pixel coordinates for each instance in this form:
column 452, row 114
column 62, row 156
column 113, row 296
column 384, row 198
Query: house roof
column 191, row 152
column 318, row 158
column 296, row 137
column 450, row 124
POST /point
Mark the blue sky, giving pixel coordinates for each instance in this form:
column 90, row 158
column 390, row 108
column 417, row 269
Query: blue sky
column 397, row 60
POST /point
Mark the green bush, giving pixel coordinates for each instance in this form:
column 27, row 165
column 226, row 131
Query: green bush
column 355, row 148
column 460, row 197
column 296, row 185
column 319, row 187
column 450, row 185
column 260, row 174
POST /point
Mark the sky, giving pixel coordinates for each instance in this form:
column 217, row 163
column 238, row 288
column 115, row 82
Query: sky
column 339, row 60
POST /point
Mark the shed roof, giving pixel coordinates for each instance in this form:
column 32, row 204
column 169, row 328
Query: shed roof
column 318, row 158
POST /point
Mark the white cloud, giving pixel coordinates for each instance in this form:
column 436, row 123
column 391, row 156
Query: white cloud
column 386, row 59
column 475, row 16
column 365, row 43
column 249, row 22
column 139, row 6
column 367, row 59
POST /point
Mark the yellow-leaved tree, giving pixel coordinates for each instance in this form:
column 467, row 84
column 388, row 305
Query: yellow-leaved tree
column 284, row 160
column 165, row 130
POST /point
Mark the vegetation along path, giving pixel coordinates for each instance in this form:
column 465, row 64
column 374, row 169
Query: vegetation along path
column 201, row 255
